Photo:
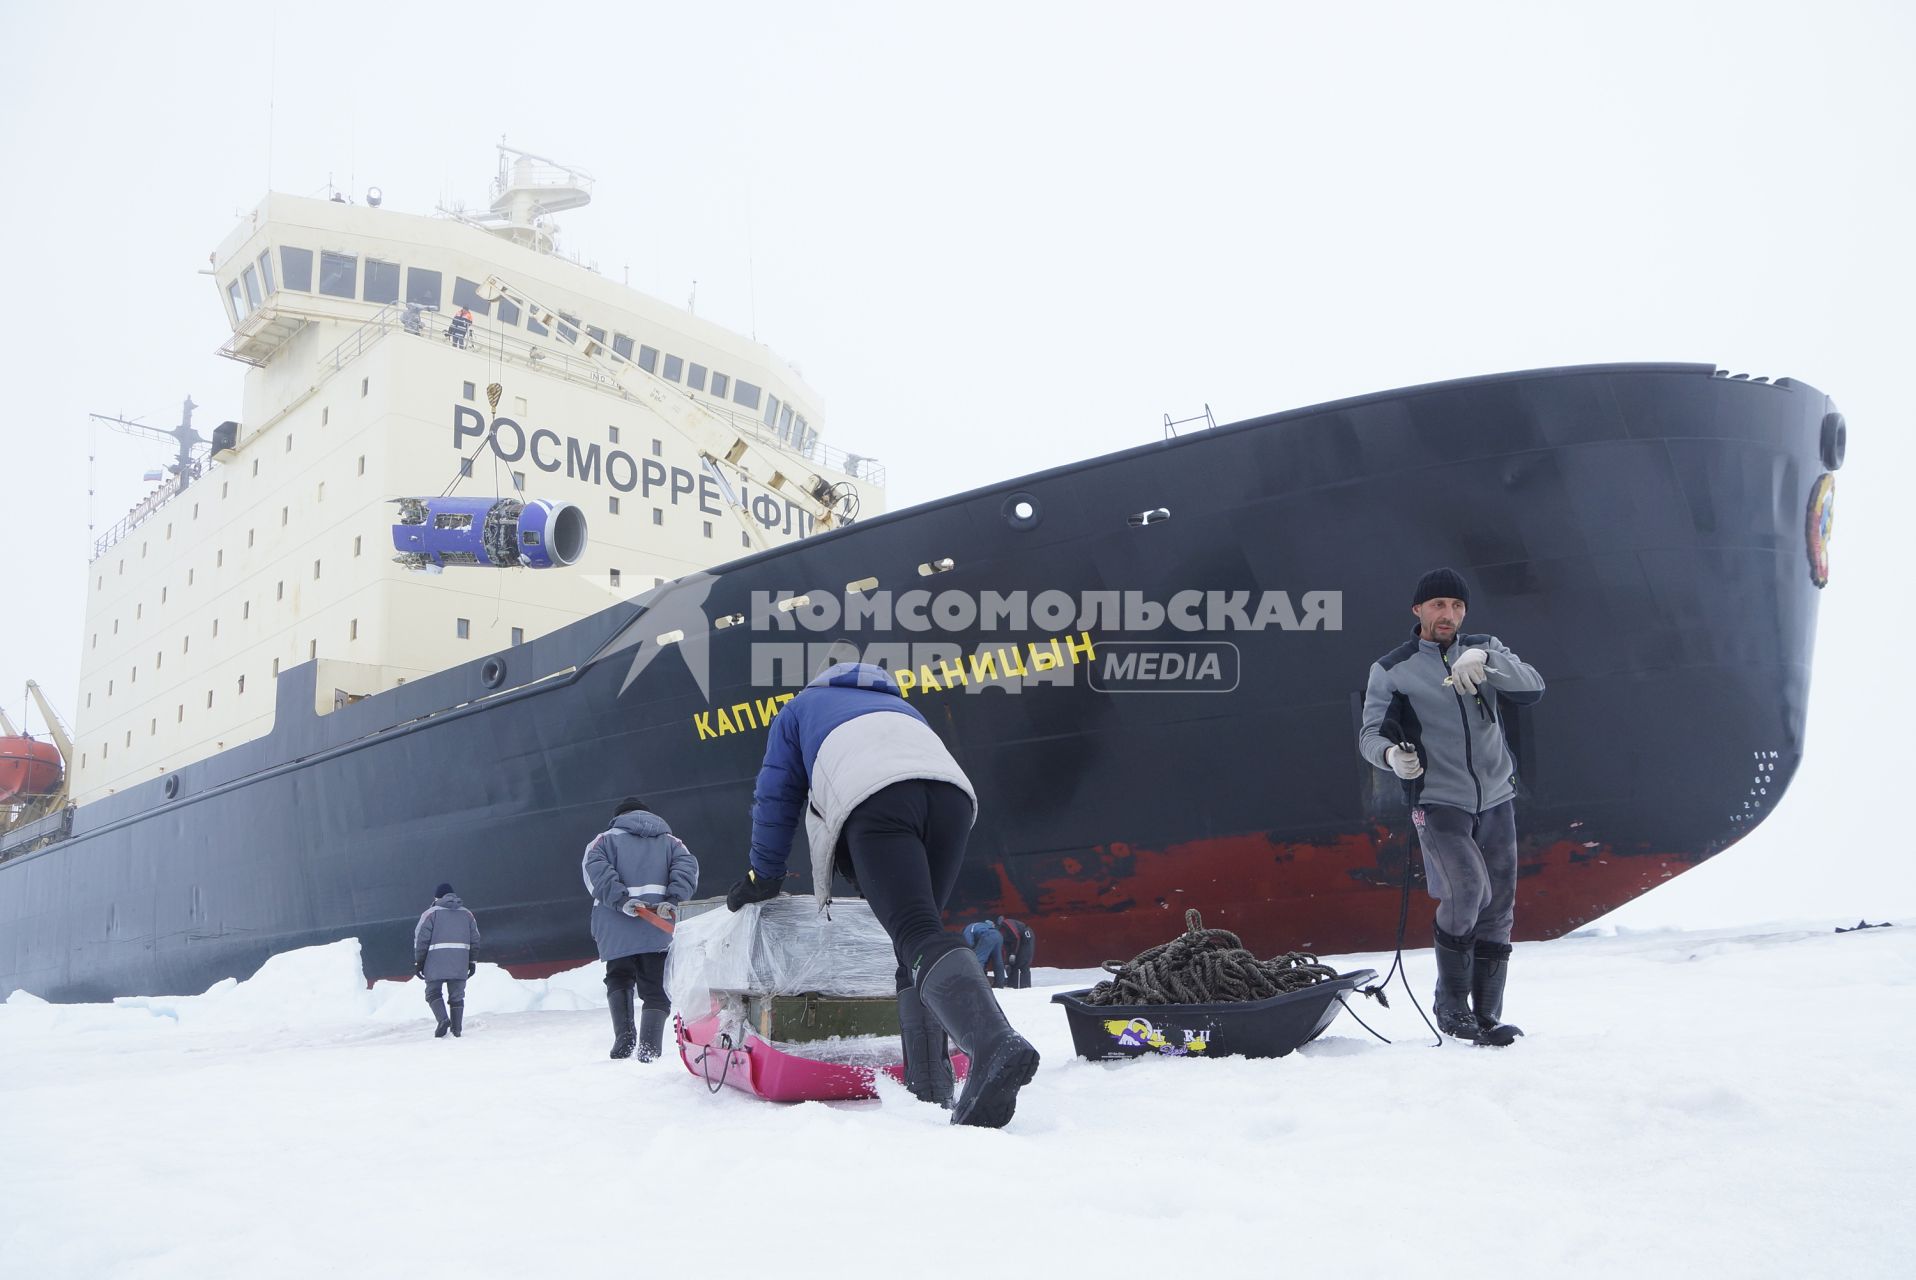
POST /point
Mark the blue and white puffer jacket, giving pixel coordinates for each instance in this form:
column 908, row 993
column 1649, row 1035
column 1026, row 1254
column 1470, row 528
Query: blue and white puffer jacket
column 846, row 736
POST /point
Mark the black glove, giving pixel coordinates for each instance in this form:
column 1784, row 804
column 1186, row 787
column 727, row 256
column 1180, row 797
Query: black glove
column 419, row 967
column 472, row 967
column 753, row 888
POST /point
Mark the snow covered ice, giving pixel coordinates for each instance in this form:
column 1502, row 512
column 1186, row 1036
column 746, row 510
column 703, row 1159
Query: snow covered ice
column 1723, row 1103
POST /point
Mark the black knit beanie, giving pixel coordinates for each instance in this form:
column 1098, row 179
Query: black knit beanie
column 629, row 804
column 1441, row 583
column 442, row 891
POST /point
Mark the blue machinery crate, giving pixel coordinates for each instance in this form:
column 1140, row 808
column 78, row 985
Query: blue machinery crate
column 1267, row 1028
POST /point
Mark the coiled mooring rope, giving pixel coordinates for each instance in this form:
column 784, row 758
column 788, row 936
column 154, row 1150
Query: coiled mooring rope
column 1205, row 966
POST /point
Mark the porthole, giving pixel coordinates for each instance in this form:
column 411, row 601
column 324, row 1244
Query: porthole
column 492, row 673
column 1022, row 511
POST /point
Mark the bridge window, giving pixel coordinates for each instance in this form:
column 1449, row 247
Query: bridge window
column 568, row 328
column 382, row 281
column 673, row 368
column 621, row 346
column 649, row 359
column 720, row 383
column 745, row 393
column 596, row 334
column 508, row 311
column 466, row 294
column 251, row 277
column 338, row 274
column 235, row 305
column 771, row 411
column 266, row 272
column 296, row 267
column 695, row 377
column 533, row 326
column 422, row 287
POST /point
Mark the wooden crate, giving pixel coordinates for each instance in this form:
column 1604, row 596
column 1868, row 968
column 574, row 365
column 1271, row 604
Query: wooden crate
column 795, row 1019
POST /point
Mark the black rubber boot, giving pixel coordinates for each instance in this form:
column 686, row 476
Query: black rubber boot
column 438, row 1006
column 1490, row 964
column 1451, row 1004
column 956, row 992
column 927, row 1054
column 651, row 1033
column 458, row 1015
column 624, row 1037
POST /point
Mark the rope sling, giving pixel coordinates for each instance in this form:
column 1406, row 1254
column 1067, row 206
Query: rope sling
column 1205, row 966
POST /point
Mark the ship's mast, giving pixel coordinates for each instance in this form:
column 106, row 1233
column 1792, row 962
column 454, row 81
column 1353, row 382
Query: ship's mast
column 187, row 438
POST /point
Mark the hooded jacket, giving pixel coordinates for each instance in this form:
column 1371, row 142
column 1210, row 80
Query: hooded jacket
column 639, row 853
column 1467, row 762
column 445, row 938
column 847, row 735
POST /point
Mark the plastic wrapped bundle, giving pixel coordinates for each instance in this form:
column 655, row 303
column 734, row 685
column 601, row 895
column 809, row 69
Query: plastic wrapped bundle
column 784, row 946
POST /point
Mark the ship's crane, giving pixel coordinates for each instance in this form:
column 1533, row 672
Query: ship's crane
column 721, row 445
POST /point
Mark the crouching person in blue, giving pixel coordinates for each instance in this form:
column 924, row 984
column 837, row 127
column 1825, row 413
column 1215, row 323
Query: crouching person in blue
column 887, row 805
column 443, row 943
column 638, row 873
column 1448, row 692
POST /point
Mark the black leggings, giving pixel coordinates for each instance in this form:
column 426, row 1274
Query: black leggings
column 906, row 844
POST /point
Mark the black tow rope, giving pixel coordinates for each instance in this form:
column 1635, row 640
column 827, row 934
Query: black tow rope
column 1205, row 966
column 1413, row 789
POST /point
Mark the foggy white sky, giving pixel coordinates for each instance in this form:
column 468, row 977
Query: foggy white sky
column 1002, row 237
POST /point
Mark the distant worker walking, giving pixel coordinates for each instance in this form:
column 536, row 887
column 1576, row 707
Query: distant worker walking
column 443, row 945
column 989, row 946
column 460, row 327
column 886, row 805
column 1446, row 691
column 638, row 873
column 1020, row 945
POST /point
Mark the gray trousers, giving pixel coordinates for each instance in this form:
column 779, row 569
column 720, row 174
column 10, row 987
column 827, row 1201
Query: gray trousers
column 1470, row 867
column 455, row 988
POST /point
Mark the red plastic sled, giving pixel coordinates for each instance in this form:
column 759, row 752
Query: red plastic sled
column 765, row 1072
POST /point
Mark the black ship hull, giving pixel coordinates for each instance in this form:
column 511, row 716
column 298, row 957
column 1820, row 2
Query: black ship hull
column 1639, row 533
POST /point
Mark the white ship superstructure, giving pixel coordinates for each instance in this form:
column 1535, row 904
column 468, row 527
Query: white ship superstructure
column 276, row 549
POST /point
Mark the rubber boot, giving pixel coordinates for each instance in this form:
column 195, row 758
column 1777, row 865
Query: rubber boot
column 437, row 1004
column 651, row 1033
column 624, row 1038
column 1451, row 1004
column 1491, row 962
column 955, row 991
column 458, row 1015
column 927, row 1053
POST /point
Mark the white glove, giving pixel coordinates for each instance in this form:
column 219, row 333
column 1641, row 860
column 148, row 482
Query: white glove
column 1404, row 762
column 667, row 910
column 1468, row 670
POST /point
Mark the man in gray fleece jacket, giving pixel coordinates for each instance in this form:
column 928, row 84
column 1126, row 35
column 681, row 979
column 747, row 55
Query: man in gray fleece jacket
column 1446, row 689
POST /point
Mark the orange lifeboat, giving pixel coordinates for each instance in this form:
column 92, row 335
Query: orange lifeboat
column 28, row 768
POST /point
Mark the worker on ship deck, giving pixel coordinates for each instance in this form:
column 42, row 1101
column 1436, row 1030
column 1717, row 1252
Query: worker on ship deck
column 887, row 806
column 1446, row 690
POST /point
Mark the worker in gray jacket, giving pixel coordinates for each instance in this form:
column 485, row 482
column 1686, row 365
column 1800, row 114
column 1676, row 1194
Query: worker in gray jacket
column 638, row 873
column 1448, row 691
column 443, row 945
